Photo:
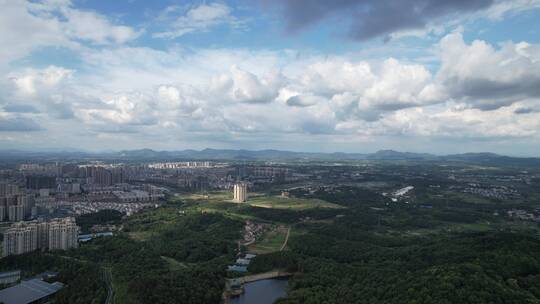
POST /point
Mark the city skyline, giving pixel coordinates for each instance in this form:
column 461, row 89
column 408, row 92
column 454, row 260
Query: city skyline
column 457, row 76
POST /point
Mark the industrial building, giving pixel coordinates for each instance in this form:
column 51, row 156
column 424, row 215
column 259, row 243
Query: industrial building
column 30, row 292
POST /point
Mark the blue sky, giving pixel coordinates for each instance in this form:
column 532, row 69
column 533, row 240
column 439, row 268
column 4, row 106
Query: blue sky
column 305, row 75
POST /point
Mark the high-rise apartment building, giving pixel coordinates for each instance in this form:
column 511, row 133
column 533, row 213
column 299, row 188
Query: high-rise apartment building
column 19, row 239
column 3, row 211
column 63, row 234
column 57, row 234
column 8, row 189
column 103, row 177
column 15, row 213
column 240, row 192
column 117, row 175
column 42, row 234
column 14, row 205
column 37, row 182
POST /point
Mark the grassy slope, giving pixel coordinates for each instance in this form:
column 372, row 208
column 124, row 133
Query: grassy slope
column 270, row 242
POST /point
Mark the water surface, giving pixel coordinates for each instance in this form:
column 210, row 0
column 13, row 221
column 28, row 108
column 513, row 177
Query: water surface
column 262, row 292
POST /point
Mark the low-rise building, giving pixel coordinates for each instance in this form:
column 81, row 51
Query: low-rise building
column 29, row 292
column 8, row 277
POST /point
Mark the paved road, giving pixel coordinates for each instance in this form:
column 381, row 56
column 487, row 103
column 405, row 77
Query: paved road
column 106, row 273
column 107, row 279
column 286, row 239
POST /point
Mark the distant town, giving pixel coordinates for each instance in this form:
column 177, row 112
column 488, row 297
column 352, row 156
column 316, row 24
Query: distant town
column 65, row 211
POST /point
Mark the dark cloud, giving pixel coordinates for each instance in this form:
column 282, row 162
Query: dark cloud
column 372, row 18
column 303, row 101
column 486, row 88
column 20, row 108
column 523, row 111
column 18, row 124
column 486, row 94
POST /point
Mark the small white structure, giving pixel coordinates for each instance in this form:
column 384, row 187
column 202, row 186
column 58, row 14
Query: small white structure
column 403, row 191
column 240, row 192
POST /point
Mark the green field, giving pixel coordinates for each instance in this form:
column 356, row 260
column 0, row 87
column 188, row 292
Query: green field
column 271, row 241
column 215, row 196
column 277, row 202
column 140, row 236
column 221, row 202
column 255, row 200
column 174, row 264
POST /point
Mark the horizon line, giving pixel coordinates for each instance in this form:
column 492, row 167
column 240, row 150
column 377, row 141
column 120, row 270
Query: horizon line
column 71, row 150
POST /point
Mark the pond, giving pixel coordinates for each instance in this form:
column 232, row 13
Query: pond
column 262, row 292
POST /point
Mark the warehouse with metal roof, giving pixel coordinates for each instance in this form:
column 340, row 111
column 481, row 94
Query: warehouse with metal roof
column 29, row 292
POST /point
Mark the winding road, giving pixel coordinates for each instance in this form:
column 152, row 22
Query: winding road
column 107, row 279
column 106, row 273
column 286, row 239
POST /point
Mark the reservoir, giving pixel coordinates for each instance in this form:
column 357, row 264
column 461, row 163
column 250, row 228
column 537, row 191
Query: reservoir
column 262, row 292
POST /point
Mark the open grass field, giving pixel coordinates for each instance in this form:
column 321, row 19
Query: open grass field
column 221, row 202
column 140, row 236
column 144, row 225
column 480, row 226
column 255, row 199
column 224, row 208
column 466, row 197
column 271, row 241
column 174, row 264
column 277, row 202
column 212, row 196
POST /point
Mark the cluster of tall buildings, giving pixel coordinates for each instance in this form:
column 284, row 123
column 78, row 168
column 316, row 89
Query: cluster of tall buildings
column 45, row 169
column 270, row 171
column 104, row 176
column 14, row 205
column 56, row 234
column 178, row 165
column 36, row 182
column 263, row 174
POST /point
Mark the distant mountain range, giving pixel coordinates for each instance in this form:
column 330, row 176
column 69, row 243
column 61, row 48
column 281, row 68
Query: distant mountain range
column 271, row 155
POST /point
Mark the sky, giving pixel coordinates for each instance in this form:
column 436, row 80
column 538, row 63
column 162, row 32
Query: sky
column 437, row 76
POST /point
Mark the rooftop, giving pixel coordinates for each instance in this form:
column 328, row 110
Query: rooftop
column 231, row 268
column 10, row 273
column 29, row 291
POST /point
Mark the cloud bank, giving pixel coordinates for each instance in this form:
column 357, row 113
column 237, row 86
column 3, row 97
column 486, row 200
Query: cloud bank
column 123, row 95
